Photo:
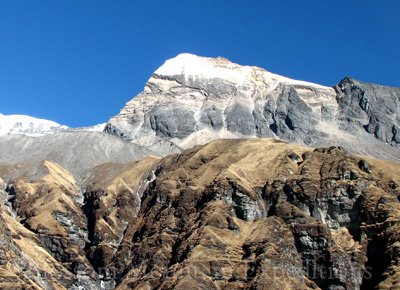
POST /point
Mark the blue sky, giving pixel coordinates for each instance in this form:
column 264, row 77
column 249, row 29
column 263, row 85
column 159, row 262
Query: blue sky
column 78, row 62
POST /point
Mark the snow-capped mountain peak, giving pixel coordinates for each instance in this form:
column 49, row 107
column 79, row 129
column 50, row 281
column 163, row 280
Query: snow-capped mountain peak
column 191, row 100
column 27, row 125
column 190, row 64
column 194, row 67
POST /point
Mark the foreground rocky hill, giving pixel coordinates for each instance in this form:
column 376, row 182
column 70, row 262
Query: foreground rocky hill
column 193, row 100
column 231, row 214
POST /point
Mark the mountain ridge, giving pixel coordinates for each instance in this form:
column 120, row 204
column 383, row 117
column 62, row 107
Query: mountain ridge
column 192, row 100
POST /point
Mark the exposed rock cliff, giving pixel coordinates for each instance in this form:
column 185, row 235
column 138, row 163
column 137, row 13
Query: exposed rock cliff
column 192, row 100
column 232, row 214
column 373, row 108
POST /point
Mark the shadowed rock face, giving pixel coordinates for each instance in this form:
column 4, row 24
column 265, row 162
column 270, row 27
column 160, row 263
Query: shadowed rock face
column 172, row 121
column 374, row 108
column 232, row 214
column 192, row 100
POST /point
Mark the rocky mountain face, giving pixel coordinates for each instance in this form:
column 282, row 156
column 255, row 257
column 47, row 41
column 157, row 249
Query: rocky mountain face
column 192, row 100
column 374, row 108
column 231, row 214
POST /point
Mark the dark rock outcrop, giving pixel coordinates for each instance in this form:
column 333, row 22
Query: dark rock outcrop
column 172, row 121
column 371, row 107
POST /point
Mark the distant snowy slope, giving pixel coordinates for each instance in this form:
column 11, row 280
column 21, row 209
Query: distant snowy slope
column 26, row 125
column 35, row 127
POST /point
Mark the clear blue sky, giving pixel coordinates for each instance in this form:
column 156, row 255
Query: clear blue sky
column 78, row 62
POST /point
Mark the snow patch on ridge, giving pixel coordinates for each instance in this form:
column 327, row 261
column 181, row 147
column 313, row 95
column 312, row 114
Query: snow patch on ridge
column 95, row 128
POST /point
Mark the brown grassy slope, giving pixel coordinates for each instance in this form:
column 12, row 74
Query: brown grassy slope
column 38, row 199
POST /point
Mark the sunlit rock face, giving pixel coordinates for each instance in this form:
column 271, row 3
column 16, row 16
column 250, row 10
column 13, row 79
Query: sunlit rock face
column 192, row 100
